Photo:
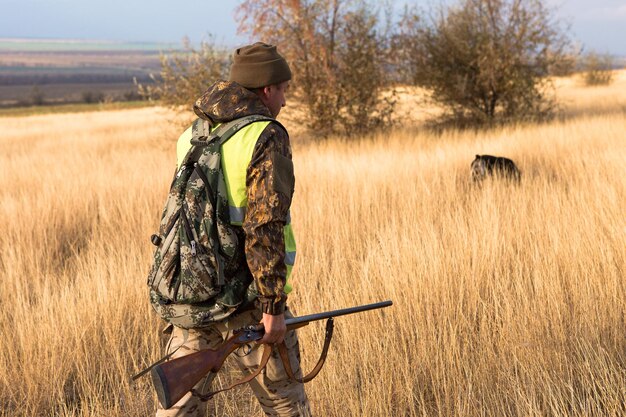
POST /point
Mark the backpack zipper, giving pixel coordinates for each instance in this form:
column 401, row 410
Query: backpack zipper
column 192, row 241
column 171, row 224
column 205, row 180
column 194, row 248
column 180, row 172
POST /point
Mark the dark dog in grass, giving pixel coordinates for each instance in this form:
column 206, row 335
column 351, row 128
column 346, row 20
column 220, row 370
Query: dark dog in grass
column 485, row 165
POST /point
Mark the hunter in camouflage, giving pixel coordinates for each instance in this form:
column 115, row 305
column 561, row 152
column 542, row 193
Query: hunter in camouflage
column 270, row 182
column 258, row 80
column 199, row 276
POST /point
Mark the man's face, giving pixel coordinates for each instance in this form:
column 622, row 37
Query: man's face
column 273, row 97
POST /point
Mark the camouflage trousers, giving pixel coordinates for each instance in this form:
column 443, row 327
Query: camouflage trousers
column 277, row 394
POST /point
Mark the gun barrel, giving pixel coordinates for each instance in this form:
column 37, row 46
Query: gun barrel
column 335, row 313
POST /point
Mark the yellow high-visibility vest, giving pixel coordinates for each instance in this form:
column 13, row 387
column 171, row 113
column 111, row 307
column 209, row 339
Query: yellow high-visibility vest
column 236, row 156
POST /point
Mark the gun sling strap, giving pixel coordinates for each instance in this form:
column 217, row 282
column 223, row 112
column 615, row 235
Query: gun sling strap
column 282, row 350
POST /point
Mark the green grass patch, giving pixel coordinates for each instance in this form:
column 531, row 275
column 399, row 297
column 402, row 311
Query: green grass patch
column 72, row 108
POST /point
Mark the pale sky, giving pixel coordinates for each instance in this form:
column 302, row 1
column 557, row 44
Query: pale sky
column 597, row 24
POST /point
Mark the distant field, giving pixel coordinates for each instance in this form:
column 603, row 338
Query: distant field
column 14, row 73
column 30, row 76
column 71, row 108
column 64, row 93
column 11, row 44
column 79, row 59
column 64, row 71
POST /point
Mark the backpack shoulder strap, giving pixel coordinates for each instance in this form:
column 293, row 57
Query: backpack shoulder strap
column 203, row 136
column 200, row 129
column 227, row 130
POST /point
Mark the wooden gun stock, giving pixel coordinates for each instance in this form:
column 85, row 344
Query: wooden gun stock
column 174, row 378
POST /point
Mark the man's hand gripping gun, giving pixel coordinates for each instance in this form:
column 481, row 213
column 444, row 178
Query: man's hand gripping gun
column 174, row 378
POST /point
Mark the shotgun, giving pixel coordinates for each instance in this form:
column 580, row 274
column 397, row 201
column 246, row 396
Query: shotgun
column 174, row 378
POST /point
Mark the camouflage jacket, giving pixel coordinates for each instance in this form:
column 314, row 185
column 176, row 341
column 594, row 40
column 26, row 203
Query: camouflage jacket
column 268, row 201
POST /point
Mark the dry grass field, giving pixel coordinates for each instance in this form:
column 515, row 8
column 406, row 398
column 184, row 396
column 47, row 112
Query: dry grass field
column 509, row 300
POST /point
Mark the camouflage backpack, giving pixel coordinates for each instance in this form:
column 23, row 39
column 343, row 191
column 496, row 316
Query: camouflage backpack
column 196, row 240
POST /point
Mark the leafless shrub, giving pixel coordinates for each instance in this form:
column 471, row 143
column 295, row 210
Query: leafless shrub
column 93, row 96
column 598, row 68
column 185, row 74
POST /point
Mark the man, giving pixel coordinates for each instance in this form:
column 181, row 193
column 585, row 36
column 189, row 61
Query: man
column 259, row 177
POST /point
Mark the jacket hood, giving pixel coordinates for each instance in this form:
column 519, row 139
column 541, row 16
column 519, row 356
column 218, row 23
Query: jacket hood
column 227, row 100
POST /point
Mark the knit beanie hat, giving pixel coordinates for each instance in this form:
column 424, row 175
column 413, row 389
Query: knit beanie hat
column 258, row 65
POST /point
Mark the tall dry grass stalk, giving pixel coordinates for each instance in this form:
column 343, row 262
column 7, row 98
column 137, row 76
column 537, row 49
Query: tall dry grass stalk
column 509, row 300
column 579, row 99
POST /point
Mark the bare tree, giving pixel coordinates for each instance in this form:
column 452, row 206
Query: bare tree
column 186, row 74
column 409, row 52
column 336, row 54
column 485, row 60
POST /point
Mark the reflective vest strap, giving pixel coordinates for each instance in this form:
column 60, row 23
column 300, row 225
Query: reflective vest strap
column 237, row 214
column 290, row 258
